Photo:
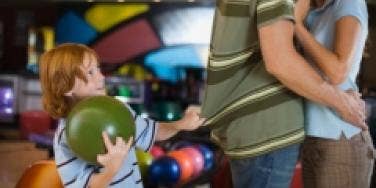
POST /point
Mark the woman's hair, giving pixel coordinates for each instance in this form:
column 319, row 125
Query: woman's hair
column 58, row 69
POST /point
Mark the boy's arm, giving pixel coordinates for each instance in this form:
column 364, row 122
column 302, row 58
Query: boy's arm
column 190, row 121
column 100, row 180
column 167, row 130
column 283, row 61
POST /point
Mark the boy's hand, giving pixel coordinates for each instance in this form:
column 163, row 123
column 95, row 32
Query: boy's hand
column 113, row 159
column 191, row 119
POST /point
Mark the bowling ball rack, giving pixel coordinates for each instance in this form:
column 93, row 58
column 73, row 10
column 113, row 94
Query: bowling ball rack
column 199, row 136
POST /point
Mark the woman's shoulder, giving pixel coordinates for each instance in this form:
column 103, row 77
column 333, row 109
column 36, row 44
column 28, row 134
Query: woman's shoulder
column 350, row 4
column 357, row 8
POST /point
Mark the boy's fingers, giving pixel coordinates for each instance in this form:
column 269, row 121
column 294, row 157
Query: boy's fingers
column 121, row 142
column 129, row 143
column 118, row 140
column 101, row 159
column 193, row 108
column 202, row 120
column 107, row 141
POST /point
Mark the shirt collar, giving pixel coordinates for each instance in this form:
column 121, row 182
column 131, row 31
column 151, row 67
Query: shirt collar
column 326, row 4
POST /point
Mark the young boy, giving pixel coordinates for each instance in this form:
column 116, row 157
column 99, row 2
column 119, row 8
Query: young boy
column 70, row 73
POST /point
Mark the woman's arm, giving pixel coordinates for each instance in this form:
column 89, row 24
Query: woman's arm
column 337, row 62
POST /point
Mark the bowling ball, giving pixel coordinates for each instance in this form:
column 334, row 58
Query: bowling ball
column 89, row 118
column 164, row 171
column 157, row 151
column 124, row 91
column 144, row 160
column 208, row 155
column 167, row 111
column 197, row 159
column 41, row 174
column 186, row 164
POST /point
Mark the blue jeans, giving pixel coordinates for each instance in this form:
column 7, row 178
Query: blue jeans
column 272, row 170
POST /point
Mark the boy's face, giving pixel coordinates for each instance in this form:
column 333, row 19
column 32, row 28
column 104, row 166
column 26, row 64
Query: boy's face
column 95, row 80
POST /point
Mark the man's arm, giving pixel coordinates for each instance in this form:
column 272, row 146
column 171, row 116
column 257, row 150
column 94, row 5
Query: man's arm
column 282, row 60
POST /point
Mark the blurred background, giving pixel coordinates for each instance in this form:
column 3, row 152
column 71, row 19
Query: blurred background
column 152, row 52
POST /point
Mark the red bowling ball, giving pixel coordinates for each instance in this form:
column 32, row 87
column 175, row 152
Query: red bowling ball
column 186, row 165
column 157, row 151
column 197, row 158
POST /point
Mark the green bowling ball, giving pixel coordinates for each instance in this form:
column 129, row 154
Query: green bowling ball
column 144, row 160
column 167, row 111
column 89, row 118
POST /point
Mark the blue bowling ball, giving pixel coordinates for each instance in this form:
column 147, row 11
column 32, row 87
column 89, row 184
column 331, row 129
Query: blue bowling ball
column 208, row 155
column 164, row 171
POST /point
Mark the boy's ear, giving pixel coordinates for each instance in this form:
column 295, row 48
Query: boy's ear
column 69, row 93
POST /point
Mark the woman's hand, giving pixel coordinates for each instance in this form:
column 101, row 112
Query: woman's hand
column 301, row 10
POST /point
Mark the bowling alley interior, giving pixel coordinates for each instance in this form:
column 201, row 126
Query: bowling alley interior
column 153, row 56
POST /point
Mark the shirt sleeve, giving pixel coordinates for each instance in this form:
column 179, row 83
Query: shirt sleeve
column 355, row 8
column 269, row 11
column 73, row 171
column 145, row 131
